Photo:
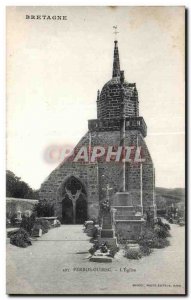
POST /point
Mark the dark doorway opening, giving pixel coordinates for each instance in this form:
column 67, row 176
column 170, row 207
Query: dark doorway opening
column 81, row 210
column 67, row 211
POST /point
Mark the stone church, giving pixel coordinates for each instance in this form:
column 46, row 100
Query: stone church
column 78, row 188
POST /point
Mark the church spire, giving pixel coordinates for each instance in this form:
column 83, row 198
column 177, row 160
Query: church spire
column 116, row 63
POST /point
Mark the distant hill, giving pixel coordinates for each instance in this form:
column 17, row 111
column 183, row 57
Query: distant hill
column 176, row 193
column 166, row 197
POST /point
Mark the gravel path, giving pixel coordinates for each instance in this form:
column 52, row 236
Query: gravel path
column 57, row 264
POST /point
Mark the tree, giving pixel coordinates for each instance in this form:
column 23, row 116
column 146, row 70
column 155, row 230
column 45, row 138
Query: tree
column 11, row 183
column 17, row 188
column 44, row 209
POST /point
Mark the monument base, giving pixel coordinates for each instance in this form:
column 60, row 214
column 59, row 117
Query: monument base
column 111, row 242
column 129, row 229
column 101, row 257
column 128, row 218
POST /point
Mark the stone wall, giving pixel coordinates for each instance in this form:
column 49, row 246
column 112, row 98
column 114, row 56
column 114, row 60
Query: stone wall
column 95, row 176
column 51, row 189
column 14, row 205
column 109, row 104
column 87, row 174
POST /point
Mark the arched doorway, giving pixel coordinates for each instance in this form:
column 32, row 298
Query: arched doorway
column 74, row 204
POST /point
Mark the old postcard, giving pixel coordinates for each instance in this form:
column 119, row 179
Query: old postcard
column 96, row 150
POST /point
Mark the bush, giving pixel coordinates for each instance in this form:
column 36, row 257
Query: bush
column 20, row 238
column 95, row 232
column 159, row 243
column 154, row 238
column 27, row 223
column 137, row 252
column 161, row 232
column 44, row 225
column 167, row 226
column 145, row 250
column 113, row 251
column 120, row 233
column 133, row 253
column 44, row 209
column 146, row 237
column 94, row 248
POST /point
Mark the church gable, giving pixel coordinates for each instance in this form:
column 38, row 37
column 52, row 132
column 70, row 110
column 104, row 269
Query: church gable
column 117, row 128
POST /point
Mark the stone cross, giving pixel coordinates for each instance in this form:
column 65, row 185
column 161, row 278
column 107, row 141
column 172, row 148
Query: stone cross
column 108, row 188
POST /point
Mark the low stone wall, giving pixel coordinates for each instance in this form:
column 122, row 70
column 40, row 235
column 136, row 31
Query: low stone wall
column 15, row 205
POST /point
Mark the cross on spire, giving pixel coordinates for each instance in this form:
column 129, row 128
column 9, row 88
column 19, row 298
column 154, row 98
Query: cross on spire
column 116, row 63
column 115, row 31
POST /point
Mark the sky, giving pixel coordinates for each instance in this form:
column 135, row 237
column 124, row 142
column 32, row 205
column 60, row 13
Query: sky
column 54, row 69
